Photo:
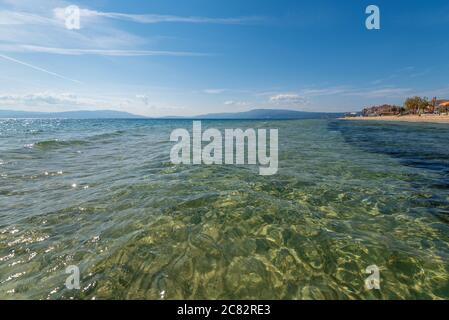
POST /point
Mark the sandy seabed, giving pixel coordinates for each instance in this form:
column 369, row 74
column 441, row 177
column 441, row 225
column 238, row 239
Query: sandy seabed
column 408, row 118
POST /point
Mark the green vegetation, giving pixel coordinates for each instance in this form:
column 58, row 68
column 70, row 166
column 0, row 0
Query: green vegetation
column 416, row 105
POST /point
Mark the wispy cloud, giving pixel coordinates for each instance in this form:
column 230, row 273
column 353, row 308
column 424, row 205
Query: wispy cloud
column 214, row 91
column 158, row 18
column 368, row 92
column 323, row 91
column 388, row 92
column 100, row 52
column 32, row 28
column 34, row 33
column 403, row 73
column 442, row 92
column 8, row 17
column 313, row 98
column 38, row 68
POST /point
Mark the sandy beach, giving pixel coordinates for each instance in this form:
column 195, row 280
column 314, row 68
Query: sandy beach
column 408, row 118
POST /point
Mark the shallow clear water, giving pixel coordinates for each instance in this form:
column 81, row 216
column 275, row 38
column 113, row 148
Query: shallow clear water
column 103, row 195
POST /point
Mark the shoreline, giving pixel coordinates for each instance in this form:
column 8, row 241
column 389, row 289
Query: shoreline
column 409, row 118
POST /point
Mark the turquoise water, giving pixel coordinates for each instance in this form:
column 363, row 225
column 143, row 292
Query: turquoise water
column 103, row 195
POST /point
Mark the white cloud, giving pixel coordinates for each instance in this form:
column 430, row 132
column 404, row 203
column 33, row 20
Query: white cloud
column 289, row 99
column 236, row 103
column 47, row 98
column 144, row 98
column 50, row 101
column 214, row 91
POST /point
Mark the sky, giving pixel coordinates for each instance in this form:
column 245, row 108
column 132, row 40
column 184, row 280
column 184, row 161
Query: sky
column 190, row 57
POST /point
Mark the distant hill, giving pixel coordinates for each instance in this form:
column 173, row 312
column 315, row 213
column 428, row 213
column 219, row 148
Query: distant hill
column 98, row 114
column 259, row 114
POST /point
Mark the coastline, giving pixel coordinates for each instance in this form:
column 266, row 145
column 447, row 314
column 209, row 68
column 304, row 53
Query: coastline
column 408, row 118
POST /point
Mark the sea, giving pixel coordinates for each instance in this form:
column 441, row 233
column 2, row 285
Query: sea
column 351, row 200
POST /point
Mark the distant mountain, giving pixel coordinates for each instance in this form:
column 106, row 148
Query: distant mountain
column 259, row 114
column 98, row 114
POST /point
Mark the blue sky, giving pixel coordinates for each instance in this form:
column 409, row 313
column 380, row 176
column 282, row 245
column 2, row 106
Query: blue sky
column 166, row 57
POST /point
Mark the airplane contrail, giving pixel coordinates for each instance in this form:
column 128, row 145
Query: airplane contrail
column 38, row 68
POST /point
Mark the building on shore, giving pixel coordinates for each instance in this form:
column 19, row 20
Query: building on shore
column 435, row 106
column 383, row 110
column 442, row 106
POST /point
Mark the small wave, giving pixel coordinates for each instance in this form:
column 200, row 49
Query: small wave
column 106, row 135
column 35, row 131
column 55, row 144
